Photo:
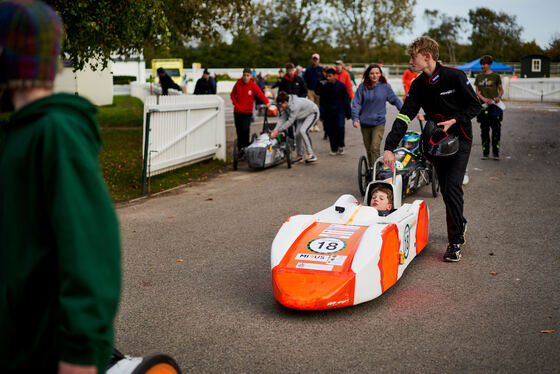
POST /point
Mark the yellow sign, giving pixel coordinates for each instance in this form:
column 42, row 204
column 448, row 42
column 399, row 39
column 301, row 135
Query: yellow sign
column 172, row 66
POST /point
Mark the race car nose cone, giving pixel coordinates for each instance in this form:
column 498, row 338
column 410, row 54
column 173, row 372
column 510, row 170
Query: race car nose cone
column 313, row 289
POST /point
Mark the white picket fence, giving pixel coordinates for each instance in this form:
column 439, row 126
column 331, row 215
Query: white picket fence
column 181, row 130
column 532, row 89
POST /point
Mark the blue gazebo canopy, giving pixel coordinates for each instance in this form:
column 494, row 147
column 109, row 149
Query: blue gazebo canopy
column 474, row 66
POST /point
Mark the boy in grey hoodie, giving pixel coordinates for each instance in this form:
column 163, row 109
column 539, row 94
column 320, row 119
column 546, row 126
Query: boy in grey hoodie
column 304, row 113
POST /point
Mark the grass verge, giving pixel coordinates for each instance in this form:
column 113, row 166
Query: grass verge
column 126, row 111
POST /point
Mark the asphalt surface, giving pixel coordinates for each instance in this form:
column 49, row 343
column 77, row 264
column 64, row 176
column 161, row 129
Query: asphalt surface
column 197, row 277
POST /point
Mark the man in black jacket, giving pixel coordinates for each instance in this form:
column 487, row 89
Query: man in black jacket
column 335, row 108
column 205, row 86
column 447, row 97
column 292, row 84
column 166, row 82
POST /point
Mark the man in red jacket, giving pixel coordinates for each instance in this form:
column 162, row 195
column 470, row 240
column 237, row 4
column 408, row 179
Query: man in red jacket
column 343, row 76
column 243, row 99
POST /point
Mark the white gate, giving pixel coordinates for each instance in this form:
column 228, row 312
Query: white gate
column 533, row 89
column 181, row 130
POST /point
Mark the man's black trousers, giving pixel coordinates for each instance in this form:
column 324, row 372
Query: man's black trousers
column 334, row 125
column 451, row 171
column 243, row 128
column 485, row 127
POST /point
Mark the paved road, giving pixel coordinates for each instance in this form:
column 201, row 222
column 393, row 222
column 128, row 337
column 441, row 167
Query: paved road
column 197, row 281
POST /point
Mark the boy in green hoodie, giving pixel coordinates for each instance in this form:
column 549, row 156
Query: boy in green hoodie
column 59, row 239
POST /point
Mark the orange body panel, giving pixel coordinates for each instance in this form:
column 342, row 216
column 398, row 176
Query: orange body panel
column 389, row 257
column 315, row 272
column 272, row 111
column 162, row 368
column 422, row 227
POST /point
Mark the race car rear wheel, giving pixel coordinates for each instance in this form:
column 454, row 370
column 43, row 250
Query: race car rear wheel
column 235, row 155
column 435, row 181
column 363, row 175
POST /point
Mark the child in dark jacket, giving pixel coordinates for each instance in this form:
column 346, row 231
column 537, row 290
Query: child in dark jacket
column 335, row 108
column 291, row 83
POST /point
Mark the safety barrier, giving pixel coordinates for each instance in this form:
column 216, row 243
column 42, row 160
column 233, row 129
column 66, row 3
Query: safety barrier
column 181, row 130
column 522, row 89
column 532, row 89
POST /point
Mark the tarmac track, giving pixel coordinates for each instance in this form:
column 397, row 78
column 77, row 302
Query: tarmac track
column 197, row 281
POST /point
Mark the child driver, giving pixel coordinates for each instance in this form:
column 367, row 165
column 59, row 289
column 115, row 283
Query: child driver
column 382, row 200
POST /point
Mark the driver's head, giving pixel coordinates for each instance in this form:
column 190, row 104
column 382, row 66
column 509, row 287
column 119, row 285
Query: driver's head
column 382, row 198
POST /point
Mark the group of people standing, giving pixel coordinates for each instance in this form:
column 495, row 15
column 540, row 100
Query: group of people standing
column 331, row 91
column 445, row 95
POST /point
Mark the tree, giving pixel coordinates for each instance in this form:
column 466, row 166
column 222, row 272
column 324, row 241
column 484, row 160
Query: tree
column 363, row 24
column 496, row 34
column 528, row 48
column 554, row 47
column 446, row 31
column 94, row 30
column 290, row 29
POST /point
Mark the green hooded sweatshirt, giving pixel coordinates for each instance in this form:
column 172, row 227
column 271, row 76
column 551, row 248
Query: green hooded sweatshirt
column 59, row 240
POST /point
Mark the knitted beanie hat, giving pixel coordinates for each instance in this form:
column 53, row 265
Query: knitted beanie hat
column 30, row 43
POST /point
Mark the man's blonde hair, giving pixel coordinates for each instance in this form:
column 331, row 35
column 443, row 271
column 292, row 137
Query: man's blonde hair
column 424, row 44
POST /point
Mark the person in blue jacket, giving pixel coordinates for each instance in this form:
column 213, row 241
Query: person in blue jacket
column 369, row 109
column 335, row 107
column 312, row 75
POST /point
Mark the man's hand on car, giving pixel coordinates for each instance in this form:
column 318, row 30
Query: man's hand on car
column 389, row 159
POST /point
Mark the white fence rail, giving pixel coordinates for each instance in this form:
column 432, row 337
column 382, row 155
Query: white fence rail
column 181, row 130
column 521, row 89
column 532, row 89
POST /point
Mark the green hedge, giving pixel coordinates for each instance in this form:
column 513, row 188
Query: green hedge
column 224, row 77
column 123, row 79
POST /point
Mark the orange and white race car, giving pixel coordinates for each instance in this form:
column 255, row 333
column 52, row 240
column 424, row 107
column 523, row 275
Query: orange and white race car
column 346, row 254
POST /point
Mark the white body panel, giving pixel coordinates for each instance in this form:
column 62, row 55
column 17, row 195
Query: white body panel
column 366, row 262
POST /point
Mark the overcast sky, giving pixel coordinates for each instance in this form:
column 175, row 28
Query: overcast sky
column 539, row 19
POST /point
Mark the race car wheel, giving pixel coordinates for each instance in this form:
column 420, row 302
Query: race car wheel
column 363, row 175
column 288, row 155
column 157, row 364
column 235, row 155
column 435, row 182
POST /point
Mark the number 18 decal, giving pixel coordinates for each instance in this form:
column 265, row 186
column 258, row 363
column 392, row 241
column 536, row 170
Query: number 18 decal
column 326, row 245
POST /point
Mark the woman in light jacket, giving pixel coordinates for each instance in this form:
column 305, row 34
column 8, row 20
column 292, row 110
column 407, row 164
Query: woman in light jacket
column 369, row 111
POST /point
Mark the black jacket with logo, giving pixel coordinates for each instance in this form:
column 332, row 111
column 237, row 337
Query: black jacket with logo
column 293, row 86
column 445, row 95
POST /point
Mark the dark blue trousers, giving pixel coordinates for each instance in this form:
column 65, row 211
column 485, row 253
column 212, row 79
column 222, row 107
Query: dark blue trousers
column 334, row 125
